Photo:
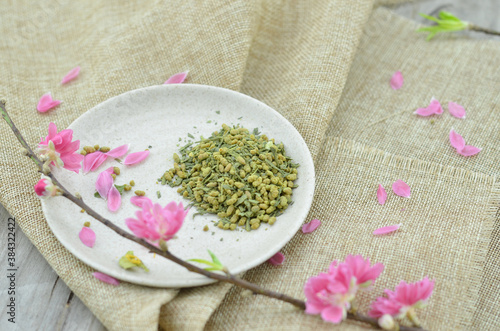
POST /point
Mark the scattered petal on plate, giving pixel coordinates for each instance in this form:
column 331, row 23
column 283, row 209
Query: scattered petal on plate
column 105, row 278
column 311, row 226
column 386, row 229
column 177, row 78
column 456, row 140
column 138, row 200
column 456, row 110
column 114, row 199
column 381, row 194
column 87, row 236
column 469, row 150
column 136, row 157
column 110, row 170
column 92, row 161
column 72, row 74
column 401, row 188
column 104, row 183
column 397, row 80
column 46, row 103
column 277, row 259
column 434, row 108
column 118, row 151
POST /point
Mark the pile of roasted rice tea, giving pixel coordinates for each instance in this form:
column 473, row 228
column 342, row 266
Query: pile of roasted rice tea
column 244, row 178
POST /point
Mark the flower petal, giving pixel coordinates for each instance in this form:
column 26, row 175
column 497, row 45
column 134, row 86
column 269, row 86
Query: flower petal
column 386, row 229
column 136, row 157
column 103, row 184
column 456, row 110
column 118, row 151
column 469, row 150
column 277, row 259
column 434, row 108
column 456, row 140
column 87, row 236
column 105, row 278
column 46, row 103
column 72, row 74
column 401, row 188
column 138, row 200
column 114, row 199
column 381, row 194
column 92, row 161
column 397, row 80
column 177, row 78
column 311, row 226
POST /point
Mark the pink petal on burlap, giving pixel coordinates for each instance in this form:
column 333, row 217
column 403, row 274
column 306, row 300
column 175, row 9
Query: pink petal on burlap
column 311, row 226
column 277, row 259
column 46, row 103
column 103, row 184
column 469, row 150
column 386, row 229
column 105, row 278
column 456, row 140
column 401, row 188
column 434, row 108
column 177, row 78
column 72, row 74
column 381, row 194
column 114, row 199
column 118, row 151
column 456, row 110
column 136, row 157
column 397, row 80
column 87, row 236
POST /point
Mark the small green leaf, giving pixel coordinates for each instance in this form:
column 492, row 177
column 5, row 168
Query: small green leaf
column 446, row 22
column 120, row 188
column 97, row 195
column 214, row 265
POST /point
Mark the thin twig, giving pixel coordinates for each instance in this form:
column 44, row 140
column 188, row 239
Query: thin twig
column 229, row 278
column 476, row 28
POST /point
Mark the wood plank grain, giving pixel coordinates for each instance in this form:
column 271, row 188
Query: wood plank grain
column 43, row 301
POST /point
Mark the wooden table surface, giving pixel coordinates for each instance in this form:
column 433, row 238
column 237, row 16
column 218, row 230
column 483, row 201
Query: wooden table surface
column 44, row 302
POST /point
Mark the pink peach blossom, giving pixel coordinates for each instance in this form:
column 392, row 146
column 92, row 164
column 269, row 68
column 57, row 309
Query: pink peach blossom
column 330, row 294
column 404, row 300
column 155, row 222
column 60, row 150
column 45, row 188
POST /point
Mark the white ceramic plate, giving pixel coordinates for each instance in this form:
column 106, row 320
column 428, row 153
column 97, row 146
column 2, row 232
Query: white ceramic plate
column 158, row 116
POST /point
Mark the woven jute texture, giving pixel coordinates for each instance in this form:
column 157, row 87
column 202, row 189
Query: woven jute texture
column 450, row 223
column 313, row 62
column 294, row 55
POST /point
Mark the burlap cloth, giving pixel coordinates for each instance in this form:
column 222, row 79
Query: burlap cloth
column 319, row 65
